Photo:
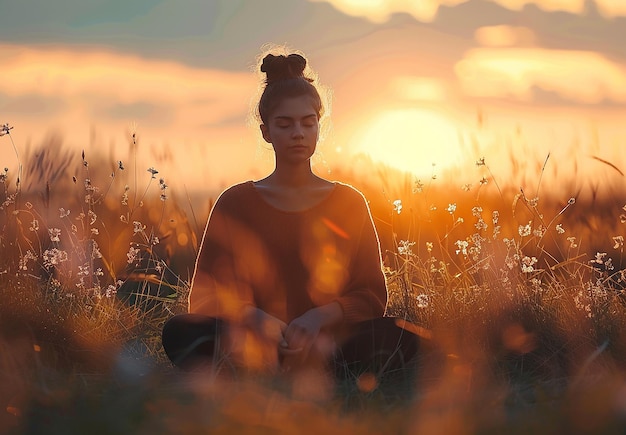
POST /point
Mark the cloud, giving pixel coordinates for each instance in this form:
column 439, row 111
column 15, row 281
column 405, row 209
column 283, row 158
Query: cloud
column 31, row 105
column 135, row 85
column 577, row 76
column 379, row 11
column 223, row 34
column 504, row 36
column 426, row 10
column 608, row 8
column 572, row 6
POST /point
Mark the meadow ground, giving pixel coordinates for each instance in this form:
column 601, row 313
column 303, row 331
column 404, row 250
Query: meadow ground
column 518, row 298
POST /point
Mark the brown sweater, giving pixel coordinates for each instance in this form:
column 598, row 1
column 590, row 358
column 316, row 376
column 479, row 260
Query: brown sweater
column 286, row 263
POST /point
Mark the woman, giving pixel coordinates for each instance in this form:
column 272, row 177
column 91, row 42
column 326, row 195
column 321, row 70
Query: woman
column 289, row 274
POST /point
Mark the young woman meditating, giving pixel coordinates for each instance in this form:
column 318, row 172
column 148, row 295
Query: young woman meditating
column 289, row 275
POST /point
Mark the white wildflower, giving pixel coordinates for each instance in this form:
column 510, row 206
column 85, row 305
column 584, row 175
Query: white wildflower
column 422, row 301
column 480, row 224
column 528, row 263
column 429, row 246
column 539, row 231
column 405, row 247
column 462, row 246
column 138, row 227
column 524, row 230
column 83, row 270
column 110, row 291
column 133, row 255
column 397, row 206
column 95, row 251
column 599, row 258
column 53, row 257
column 54, row 234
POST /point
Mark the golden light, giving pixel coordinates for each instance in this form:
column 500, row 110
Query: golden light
column 420, row 88
column 411, row 140
column 504, row 36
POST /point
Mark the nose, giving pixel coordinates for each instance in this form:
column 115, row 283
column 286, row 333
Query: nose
column 298, row 130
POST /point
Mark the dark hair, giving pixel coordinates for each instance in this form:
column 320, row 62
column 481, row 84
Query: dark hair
column 285, row 79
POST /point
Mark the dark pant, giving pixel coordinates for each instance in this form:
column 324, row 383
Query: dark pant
column 379, row 345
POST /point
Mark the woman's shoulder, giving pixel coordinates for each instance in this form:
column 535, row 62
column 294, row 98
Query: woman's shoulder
column 350, row 199
column 236, row 190
column 348, row 192
column 235, row 194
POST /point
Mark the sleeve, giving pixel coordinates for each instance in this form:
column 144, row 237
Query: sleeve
column 215, row 289
column 365, row 295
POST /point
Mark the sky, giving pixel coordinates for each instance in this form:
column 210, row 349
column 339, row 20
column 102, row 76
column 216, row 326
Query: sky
column 413, row 83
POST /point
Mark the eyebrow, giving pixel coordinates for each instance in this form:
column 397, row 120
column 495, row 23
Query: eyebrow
column 312, row 115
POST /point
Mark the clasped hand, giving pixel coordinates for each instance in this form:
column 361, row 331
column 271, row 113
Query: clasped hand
column 300, row 335
column 294, row 340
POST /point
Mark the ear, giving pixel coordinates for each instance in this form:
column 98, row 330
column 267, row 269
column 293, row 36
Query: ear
column 265, row 131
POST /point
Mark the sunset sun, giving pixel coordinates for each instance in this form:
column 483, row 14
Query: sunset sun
column 411, row 140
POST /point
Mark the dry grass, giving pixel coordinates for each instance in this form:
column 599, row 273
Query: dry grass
column 519, row 298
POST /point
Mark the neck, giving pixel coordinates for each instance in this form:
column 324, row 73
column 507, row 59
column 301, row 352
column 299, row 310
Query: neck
column 293, row 176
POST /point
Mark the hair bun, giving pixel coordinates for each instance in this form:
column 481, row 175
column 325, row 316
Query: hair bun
column 283, row 67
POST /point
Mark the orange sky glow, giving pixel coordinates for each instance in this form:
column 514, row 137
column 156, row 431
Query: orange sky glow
column 409, row 101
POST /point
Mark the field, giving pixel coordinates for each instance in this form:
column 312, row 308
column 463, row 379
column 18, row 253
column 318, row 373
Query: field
column 518, row 295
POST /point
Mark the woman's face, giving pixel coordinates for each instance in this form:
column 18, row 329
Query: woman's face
column 292, row 129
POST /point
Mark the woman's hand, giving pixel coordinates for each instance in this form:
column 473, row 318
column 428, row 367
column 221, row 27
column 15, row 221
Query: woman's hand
column 301, row 334
column 267, row 326
column 262, row 347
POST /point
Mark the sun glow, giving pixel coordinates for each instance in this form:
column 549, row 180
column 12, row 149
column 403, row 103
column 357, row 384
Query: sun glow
column 411, row 140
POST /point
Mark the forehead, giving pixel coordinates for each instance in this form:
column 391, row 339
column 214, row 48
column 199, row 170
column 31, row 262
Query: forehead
column 295, row 107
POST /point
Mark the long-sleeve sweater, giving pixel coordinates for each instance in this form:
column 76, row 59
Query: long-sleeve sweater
column 286, row 263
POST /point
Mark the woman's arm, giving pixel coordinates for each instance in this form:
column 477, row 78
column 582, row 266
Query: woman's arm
column 216, row 290
column 365, row 295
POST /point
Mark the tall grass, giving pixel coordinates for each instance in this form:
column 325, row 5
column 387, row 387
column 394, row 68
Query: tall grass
column 517, row 295
column 87, row 252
